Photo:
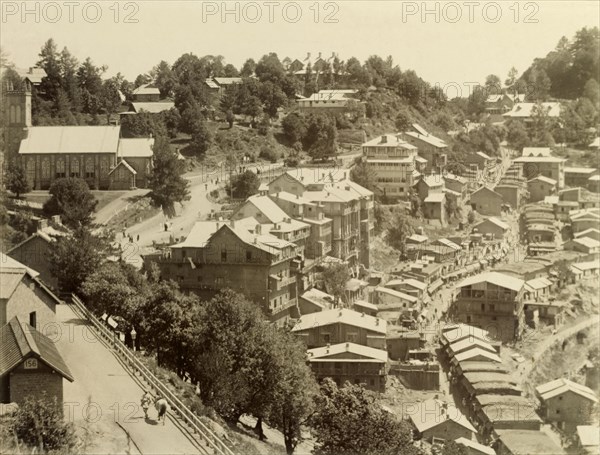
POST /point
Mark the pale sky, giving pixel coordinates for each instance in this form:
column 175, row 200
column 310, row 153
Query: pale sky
column 441, row 47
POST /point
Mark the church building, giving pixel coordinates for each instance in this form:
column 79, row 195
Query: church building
column 97, row 154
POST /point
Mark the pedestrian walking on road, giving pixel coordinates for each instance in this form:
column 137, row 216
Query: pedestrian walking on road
column 146, row 402
column 162, row 407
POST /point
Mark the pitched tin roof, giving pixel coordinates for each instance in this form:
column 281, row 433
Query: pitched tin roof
column 559, row 386
column 367, row 354
column 499, row 279
column 20, row 340
column 343, row 316
column 70, row 139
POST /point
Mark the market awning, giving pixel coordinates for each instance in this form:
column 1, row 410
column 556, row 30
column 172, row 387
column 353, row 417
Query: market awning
column 434, row 286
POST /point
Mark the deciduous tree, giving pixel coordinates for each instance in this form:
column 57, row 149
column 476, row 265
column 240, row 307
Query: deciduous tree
column 397, row 233
column 166, row 179
column 75, row 257
column 244, row 185
column 335, row 277
column 349, row 420
column 72, row 199
column 16, row 179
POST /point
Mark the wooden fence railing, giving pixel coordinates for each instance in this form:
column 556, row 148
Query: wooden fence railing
column 213, row 441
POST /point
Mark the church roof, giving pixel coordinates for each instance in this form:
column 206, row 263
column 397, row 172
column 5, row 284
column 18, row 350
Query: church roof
column 140, row 147
column 70, row 139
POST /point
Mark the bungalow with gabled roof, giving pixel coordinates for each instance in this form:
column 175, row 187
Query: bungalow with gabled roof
column 567, row 403
column 487, row 201
column 435, row 419
column 541, row 187
column 341, row 326
column 30, row 364
column 350, row 362
column 493, row 226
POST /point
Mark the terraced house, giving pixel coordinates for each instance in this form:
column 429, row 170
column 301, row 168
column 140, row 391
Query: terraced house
column 492, row 301
column 347, row 204
column 237, row 255
column 393, row 160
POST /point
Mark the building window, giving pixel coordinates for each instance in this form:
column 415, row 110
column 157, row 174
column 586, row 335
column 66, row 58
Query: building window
column 223, row 255
column 219, row 281
column 31, row 171
column 468, row 319
column 75, row 172
column 199, row 278
column 45, row 168
column 104, row 166
column 33, row 319
column 492, row 307
column 326, row 338
column 89, row 168
column 483, row 307
column 248, row 256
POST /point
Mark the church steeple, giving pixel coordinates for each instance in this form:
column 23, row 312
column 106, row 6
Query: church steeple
column 18, row 113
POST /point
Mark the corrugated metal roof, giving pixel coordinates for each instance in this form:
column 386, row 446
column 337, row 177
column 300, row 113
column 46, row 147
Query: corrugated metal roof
column 429, row 138
column 499, row 279
column 367, row 353
column 469, row 343
column 475, row 352
column 496, row 221
column 147, row 89
column 343, row 316
column 20, row 340
column 430, row 413
column 562, row 385
column 153, row 107
column 136, row 147
column 477, row 447
column 70, row 139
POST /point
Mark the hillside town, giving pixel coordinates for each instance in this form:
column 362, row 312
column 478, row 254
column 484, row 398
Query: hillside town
column 305, row 255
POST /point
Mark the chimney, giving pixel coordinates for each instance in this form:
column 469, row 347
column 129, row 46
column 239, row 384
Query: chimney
column 347, row 345
column 340, row 312
column 362, row 314
column 257, row 230
column 376, row 321
column 297, row 196
column 319, row 55
column 255, row 240
column 217, row 224
column 383, row 139
column 288, row 220
column 307, row 55
column 232, row 223
column 333, row 55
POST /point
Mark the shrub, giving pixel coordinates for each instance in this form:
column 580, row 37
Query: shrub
column 268, row 153
column 40, row 423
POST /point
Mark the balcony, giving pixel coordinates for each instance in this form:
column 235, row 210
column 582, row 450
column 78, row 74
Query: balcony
column 277, row 283
column 284, row 306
